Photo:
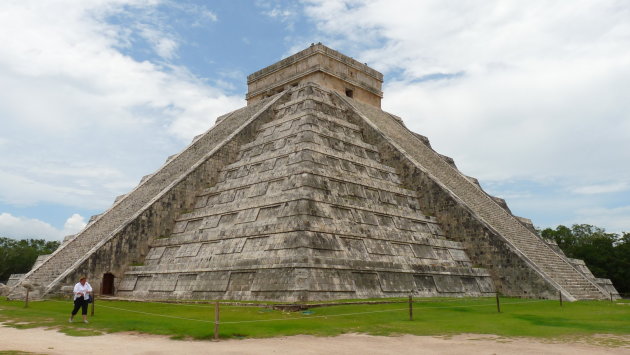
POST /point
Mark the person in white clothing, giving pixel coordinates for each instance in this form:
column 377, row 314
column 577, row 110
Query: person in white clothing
column 82, row 292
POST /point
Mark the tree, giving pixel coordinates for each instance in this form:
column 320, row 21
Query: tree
column 621, row 274
column 562, row 235
column 18, row 256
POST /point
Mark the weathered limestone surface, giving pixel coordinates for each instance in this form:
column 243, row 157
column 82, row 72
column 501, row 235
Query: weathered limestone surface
column 309, row 194
column 14, row 279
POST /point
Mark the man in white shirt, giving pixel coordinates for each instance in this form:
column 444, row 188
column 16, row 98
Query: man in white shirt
column 82, row 292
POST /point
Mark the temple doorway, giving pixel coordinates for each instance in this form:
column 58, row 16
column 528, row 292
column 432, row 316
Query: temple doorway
column 108, row 284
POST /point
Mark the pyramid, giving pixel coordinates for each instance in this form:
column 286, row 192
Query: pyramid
column 311, row 192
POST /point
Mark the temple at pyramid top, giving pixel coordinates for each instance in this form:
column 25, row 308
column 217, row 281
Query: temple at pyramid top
column 321, row 65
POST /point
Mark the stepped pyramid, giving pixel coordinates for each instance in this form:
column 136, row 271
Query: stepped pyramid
column 311, row 192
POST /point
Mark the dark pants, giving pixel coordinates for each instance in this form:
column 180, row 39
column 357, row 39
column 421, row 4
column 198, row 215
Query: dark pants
column 80, row 302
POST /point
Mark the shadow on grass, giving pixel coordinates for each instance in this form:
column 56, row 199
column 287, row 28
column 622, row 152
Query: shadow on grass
column 544, row 321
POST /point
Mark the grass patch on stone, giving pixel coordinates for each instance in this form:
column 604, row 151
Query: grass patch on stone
column 529, row 318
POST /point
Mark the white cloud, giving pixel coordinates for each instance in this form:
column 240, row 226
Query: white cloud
column 74, row 224
column 615, row 220
column 602, row 188
column 82, row 120
column 531, row 90
column 200, row 14
column 164, row 46
column 23, row 191
column 23, row 227
column 205, row 13
column 282, row 14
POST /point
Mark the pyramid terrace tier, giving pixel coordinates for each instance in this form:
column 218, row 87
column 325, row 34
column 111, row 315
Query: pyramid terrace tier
column 321, row 135
column 292, row 284
column 307, row 129
column 310, row 97
column 307, row 140
column 317, row 174
column 229, row 263
column 294, row 249
column 339, row 164
column 331, row 125
column 328, row 122
column 422, row 234
column 349, row 162
column 305, row 201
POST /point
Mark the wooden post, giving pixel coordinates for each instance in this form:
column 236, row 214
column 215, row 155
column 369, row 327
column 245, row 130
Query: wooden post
column 410, row 307
column 92, row 310
column 26, row 299
column 216, row 321
column 498, row 302
column 560, row 293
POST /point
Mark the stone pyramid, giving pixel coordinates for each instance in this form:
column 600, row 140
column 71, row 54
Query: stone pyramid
column 311, row 192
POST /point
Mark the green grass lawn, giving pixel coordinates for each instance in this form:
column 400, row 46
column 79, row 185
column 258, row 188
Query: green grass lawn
column 519, row 317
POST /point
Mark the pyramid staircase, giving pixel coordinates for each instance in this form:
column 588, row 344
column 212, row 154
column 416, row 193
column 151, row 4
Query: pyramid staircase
column 551, row 265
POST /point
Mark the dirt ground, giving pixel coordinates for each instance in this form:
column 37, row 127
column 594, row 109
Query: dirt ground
column 44, row 341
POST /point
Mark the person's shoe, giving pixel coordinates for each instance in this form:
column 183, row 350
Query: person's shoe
column 70, row 320
column 85, row 321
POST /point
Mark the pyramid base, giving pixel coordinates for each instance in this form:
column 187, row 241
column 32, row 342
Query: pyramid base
column 306, row 284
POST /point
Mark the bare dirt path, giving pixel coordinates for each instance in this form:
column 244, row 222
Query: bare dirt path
column 40, row 340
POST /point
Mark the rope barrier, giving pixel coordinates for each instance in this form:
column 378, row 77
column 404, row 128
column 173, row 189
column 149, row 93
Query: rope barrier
column 231, row 305
column 248, row 321
column 148, row 313
column 211, row 305
column 202, row 304
column 159, row 315
column 484, row 305
column 305, row 317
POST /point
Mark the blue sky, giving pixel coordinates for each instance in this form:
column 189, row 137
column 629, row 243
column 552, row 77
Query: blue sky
column 531, row 98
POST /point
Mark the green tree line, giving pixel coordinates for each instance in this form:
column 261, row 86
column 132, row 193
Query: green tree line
column 18, row 256
column 607, row 255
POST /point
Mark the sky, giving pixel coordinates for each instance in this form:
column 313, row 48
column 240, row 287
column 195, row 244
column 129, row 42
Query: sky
column 530, row 97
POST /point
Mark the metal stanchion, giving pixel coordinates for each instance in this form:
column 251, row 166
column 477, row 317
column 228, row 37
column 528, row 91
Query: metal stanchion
column 93, row 302
column 498, row 302
column 216, row 321
column 560, row 293
column 410, row 307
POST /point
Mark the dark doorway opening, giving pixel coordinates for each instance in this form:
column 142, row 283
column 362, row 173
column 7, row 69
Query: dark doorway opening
column 349, row 93
column 108, row 284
